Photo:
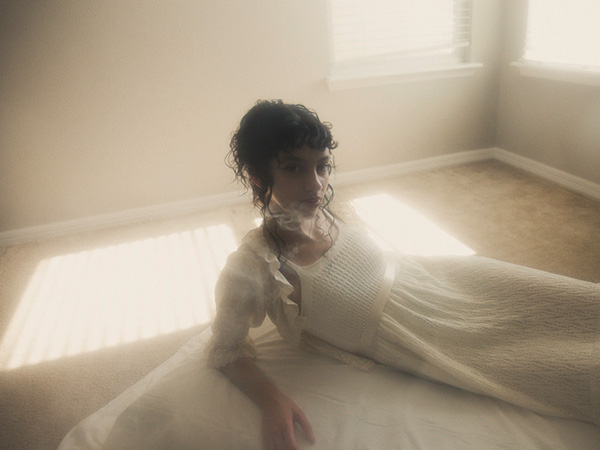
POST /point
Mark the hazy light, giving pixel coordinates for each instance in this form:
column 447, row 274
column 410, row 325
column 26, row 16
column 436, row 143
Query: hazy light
column 104, row 297
column 564, row 32
column 395, row 226
column 384, row 28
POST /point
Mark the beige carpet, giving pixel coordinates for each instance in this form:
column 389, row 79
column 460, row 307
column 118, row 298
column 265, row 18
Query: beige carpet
column 492, row 208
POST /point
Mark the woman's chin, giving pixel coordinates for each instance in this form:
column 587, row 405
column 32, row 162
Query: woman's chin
column 298, row 211
column 307, row 210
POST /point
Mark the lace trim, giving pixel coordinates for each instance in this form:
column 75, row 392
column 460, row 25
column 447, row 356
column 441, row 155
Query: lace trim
column 256, row 241
column 220, row 357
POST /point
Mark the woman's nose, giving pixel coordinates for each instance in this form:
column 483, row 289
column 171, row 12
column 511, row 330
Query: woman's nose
column 313, row 182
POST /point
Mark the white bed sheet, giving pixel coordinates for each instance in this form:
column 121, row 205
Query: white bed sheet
column 185, row 405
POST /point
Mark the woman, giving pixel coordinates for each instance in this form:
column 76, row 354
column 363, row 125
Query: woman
column 528, row 337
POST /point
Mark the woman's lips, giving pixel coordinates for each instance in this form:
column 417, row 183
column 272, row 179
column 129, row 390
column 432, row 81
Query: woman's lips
column 312, row 201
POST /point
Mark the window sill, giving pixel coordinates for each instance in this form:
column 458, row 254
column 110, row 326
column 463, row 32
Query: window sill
column 360, row 79
column 570, row 74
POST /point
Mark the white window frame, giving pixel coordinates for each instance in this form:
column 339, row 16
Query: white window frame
column 558, row 72
column 571, row 73
column 356, row 75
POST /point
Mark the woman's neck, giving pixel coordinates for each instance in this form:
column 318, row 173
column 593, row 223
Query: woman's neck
column 297, row 234
column 292, row 228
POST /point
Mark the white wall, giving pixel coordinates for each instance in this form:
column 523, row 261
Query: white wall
column 552, row 122
column 118, row 104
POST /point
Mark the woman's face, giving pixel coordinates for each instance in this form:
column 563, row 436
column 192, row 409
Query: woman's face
column 300, row 180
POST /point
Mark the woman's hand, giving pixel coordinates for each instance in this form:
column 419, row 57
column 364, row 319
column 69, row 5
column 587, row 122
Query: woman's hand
column 279, row 412
column 279, row 415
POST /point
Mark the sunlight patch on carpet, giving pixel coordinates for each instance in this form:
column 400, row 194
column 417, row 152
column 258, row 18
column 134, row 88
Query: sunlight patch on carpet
column 396, row 226
column 105, row 297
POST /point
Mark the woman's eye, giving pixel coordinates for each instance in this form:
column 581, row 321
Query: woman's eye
column 291, row 168
column 322, row 168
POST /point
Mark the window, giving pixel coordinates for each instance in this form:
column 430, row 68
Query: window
column 382, row 41
column 563, row 41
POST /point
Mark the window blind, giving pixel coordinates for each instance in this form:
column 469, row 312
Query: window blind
column 409, row 32
column 563, row 32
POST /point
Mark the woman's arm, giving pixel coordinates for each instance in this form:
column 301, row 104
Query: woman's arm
column 279, row 411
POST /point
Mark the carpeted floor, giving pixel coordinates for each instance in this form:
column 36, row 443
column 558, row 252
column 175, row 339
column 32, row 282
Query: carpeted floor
column 494, row 209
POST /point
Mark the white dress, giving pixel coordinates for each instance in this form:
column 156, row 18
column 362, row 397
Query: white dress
column 525, row 336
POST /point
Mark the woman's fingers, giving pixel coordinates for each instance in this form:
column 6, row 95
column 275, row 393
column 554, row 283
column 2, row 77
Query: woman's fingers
column 289, row 439
column 304, row 423
column 278, row 426
column 283, row 439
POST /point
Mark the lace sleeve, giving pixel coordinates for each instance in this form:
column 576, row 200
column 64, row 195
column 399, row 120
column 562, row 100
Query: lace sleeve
column 240, row 305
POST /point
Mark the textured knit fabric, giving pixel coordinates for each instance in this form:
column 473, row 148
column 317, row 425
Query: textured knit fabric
column 525, row 336
column 528, row 337
column 337, row 307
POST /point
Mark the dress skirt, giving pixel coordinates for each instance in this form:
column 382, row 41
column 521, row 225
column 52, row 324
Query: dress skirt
column 525, row 336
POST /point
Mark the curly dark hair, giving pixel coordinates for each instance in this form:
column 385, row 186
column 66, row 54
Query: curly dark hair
column 269, row 127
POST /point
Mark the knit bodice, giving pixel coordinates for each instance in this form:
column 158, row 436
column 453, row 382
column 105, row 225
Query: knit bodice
column 340, row 290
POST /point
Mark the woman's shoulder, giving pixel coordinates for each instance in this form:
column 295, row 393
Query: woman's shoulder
column 243, row 266
column 250, row 250
column 255, row 245
column 253, row 255
column 254, row 238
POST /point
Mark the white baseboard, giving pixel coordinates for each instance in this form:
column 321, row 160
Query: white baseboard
column 35, row 233
column 565, row 179
column 392, row 170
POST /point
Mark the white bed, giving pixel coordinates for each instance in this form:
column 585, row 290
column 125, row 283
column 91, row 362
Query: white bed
column 183, row 404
